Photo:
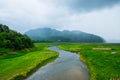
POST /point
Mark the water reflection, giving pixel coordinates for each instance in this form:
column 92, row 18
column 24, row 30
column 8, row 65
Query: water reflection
column 66, row 67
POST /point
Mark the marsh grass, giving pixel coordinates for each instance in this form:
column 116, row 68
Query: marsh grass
column 101, row 63
column 18, row 66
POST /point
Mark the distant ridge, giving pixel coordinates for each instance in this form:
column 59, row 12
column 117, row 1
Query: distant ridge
column 53, row 35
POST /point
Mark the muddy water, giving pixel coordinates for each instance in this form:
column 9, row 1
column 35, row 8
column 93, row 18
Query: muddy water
column 66, row 67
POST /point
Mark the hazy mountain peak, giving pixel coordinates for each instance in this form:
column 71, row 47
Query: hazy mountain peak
column 53, row 35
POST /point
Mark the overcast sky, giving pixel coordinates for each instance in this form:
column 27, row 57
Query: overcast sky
column 100, row 17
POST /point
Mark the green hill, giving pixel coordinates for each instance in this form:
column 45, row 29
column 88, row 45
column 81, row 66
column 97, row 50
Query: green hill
column 13, row 40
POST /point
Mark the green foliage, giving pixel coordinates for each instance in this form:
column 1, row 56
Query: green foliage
column 12, row 66
column 102, row 63
column 13, row 40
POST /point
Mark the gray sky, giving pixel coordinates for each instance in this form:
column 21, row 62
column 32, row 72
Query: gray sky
column 100, row 17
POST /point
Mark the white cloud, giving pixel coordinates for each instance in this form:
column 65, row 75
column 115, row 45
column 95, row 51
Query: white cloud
column 33, row 12
column 23, row 15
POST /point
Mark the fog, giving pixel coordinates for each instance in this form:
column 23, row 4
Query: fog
column 100, row 17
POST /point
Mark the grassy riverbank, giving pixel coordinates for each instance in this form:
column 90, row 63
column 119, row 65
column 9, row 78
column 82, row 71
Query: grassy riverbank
column 103, row 60
column 22, row 63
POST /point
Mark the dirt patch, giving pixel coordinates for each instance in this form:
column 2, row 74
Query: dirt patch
column 101, row 48
column 46, row 52
column 74, row 49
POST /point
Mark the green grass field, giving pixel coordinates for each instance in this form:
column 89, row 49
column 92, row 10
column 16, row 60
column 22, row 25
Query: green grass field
column 22, row 63
column 103, row 60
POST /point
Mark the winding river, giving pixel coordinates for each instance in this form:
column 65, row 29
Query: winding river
column 66, row 67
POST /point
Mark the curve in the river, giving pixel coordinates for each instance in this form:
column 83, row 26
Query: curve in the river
column 66, row 67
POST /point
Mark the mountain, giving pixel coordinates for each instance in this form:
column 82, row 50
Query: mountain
column 53, row 35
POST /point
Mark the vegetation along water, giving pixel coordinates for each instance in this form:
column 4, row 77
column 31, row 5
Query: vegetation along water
column 20, row 57
column 19, row 64
column 103, row 60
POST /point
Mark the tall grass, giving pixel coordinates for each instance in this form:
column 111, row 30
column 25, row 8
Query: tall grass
column 102, row 63
column 21, row 65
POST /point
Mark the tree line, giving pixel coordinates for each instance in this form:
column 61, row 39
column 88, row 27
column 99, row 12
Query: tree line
column 13, row 40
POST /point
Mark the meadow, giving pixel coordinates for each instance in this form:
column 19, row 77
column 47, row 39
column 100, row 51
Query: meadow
column 17, row 65
column 103, row 60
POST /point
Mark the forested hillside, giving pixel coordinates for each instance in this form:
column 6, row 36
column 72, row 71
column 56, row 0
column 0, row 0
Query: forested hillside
column 12, row 39
column 53, row 35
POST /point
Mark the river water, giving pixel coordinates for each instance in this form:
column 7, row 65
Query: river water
column 66, row 67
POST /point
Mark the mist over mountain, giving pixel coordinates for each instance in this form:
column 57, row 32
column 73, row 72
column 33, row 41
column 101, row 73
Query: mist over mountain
column 53, row 35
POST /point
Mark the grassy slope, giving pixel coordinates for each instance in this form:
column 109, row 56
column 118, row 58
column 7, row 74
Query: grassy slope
column 23, row 62
column 102, row 64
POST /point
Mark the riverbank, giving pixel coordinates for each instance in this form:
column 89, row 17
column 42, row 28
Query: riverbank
column 14, row 66
column 102, row 59
column 66, row 67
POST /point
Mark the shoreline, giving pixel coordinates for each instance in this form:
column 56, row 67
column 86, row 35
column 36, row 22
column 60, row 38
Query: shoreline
column 39, row 65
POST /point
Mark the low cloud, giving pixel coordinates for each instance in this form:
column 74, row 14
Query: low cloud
column 23, row 15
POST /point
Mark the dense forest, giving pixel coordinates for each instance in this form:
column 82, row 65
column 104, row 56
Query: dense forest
column 53, row 35
column 13, row 40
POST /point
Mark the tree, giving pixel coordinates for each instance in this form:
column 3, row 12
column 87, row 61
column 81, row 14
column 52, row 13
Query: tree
column 12, row 39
